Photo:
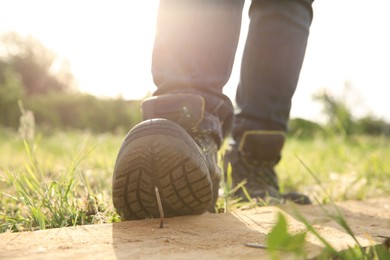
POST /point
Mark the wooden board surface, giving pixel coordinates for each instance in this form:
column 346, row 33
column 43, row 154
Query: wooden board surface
column 209, row 236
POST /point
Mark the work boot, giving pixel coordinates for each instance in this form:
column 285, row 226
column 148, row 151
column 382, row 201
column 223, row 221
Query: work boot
column 175, row 150
column 253, row 159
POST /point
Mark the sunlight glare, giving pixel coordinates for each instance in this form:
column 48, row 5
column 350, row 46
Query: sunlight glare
column 109, row 47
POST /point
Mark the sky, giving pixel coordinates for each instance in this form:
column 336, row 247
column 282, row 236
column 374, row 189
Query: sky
column 108, row 44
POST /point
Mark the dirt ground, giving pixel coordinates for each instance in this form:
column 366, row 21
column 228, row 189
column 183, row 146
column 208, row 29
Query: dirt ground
column 209, row 236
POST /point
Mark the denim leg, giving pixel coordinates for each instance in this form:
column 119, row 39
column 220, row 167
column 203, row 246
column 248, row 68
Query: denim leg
column 194, row 50
column 271, row 63
column 195, row 44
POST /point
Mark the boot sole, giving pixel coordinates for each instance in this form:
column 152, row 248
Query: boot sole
column 160, row 153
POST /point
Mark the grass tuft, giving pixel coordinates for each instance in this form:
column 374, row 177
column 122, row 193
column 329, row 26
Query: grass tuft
column 38, row 198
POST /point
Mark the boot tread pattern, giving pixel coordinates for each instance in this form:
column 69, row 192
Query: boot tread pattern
column 160, row 155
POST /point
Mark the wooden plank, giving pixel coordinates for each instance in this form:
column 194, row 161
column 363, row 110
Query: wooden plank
column 209, row 236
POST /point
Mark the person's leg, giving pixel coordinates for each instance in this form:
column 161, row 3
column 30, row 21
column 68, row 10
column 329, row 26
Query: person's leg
column 192, row 59
column 195, row 44
column 271, row 64
column 194, row 50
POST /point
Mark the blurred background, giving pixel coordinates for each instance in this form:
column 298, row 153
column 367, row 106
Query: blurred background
column 86, row 64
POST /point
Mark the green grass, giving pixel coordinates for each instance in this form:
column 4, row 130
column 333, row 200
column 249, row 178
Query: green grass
column 348, row 168
column 64, row 179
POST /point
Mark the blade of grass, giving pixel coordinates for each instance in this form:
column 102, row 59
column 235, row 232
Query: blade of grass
column 310, row 228
column 338, row 217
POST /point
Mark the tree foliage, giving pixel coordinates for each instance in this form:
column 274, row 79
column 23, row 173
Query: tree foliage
column 11, row 91
column 341, row 119
column 39, row 68
column 34, row 75
column 66, row 111
column 339, row 115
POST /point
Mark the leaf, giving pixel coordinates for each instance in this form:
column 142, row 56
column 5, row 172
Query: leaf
column 278, row 235
column 279, row 239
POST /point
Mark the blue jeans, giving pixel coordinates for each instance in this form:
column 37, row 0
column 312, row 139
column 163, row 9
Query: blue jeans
column 195, row 46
